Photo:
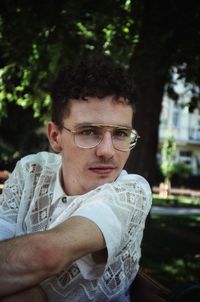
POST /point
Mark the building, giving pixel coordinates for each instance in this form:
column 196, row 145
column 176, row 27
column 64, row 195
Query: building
column 185, row 128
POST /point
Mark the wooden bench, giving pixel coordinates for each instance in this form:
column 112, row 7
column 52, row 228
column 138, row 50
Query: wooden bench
column 146, row 289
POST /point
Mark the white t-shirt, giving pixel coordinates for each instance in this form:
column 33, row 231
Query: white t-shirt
column 33, row 200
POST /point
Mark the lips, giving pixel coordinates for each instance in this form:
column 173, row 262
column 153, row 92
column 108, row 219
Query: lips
column 102, row 170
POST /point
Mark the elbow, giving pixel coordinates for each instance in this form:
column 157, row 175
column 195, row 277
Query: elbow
column 46, row 258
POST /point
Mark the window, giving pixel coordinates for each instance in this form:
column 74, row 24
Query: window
column 175, row 119
column 185, row 153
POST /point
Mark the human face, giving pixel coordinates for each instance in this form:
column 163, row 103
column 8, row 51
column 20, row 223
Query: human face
column 86, row 169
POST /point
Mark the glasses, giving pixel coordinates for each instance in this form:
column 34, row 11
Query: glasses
column 90, row 136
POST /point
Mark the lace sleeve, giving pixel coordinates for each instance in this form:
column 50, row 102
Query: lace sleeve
column 9, row 203
column 120, row 210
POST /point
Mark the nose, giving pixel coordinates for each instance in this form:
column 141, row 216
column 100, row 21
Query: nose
column 105, row 148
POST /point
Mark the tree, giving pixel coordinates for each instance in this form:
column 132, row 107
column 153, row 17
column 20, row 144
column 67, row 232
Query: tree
column 169, row 36
column 169, row 165
column 148, row 37
column 168, row 159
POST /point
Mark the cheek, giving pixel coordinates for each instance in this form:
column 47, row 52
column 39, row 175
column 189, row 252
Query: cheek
column 123, row 158
column 76, row 158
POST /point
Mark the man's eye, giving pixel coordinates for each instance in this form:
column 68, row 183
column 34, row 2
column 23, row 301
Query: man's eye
column 121, row 133
column 87, row 132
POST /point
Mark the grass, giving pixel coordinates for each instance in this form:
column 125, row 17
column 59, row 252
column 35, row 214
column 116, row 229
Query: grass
column 176, row 200
column 171, row 249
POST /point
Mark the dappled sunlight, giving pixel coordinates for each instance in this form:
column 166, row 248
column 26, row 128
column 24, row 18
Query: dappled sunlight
column 171, row 249
column 181, row 270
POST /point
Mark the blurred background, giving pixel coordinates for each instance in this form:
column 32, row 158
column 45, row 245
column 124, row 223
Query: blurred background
column 159, row 43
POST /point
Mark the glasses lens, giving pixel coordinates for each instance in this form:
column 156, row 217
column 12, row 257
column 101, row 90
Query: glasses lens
column 88, row 137
column 127, row 141
column 121, row 139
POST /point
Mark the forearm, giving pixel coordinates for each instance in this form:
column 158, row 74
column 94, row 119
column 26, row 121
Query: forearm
column 27, row 260
column 34, row 294
column 24, row 262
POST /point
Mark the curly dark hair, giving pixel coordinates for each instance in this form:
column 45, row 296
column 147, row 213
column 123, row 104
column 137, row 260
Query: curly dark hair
column 90, row 77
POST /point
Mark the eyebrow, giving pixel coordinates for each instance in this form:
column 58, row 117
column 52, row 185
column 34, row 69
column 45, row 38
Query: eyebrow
column 86, row 124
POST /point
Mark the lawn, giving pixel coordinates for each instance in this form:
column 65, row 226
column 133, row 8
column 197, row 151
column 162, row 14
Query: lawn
column 176, row 201
column 171, row 249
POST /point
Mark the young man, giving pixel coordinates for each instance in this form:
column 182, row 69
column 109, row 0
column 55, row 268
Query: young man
column 75, row 219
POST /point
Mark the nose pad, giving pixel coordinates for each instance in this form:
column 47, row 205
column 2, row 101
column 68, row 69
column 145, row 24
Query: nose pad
column 106, row 148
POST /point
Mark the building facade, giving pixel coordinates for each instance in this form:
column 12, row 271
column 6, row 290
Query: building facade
column 185, row 128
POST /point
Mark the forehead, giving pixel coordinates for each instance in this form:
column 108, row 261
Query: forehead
column 102, row 111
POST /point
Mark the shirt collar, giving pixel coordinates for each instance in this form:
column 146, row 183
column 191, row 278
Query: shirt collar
column 58, row 190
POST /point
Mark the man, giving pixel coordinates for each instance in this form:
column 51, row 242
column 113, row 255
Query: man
column 75, row 219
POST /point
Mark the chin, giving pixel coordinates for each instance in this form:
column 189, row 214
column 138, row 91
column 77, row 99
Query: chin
column 100, row 181
column 105, row 180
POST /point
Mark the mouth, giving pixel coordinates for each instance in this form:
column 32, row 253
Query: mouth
column 102, row 170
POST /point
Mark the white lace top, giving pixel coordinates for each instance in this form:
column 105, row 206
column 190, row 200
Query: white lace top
column 33, row 200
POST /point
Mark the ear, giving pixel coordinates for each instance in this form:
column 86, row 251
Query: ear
column 54, row 136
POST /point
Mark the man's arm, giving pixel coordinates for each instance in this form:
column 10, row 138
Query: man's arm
column 26, row 261
column 34, row 294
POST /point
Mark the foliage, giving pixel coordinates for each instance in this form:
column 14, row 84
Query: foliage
column 169, row 165
column 7, row 153
column 20, row 134
column 182, row 170
column 58, row 33
column 168, row 157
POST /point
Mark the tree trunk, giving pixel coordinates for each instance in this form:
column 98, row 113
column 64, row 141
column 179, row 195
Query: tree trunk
column 143, row 158
column 149, row 67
